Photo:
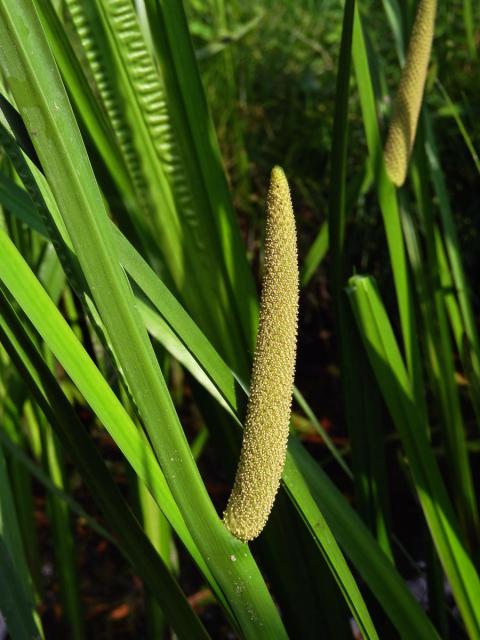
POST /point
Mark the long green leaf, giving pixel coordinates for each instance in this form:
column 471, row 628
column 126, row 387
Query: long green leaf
column 392, row 377
column 163, row 316
column 61, row 416
column 388, row 205
column 441, row 349
column 189, row 107
column 361, row 403
column 170, row 189
column 16, row 607
column 94, row 118
column 298, row 489
column 61, row 340
column 63, row 157
column 315, row 255
column 363, row 550
column 453, row 251
column 15, row 561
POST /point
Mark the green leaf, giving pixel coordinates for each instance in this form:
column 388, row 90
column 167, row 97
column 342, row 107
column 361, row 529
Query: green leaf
column 363, row 550
column 160, row 153
column 388, row 205
column 386, row 361
column 21, row 620
column 201, row 153
column 57, row 141
column 315, row 255
column 17, row 609
column 132, row 540
column 299, row 491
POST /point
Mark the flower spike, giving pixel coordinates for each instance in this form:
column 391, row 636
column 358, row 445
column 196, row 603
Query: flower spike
column 403, row 126
column 264, row 446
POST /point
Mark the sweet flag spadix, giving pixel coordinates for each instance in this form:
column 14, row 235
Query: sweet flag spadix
column 264, row 445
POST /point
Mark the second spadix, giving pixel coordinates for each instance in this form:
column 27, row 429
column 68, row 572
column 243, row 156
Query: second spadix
column 408, row 101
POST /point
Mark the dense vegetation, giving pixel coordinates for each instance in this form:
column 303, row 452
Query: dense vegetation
column 136, row 145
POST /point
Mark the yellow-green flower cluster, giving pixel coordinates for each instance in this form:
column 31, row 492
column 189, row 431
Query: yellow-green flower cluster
column 265, row 435
column 408, row 102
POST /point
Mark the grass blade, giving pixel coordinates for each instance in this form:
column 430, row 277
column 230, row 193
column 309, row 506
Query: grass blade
column 132, row 540
column 363, row 550
column 17, row 609
column 315, row 255
column 388, row 204
column 393, row 380
column 453, row 251
column 189, row 106
column 74, row 187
